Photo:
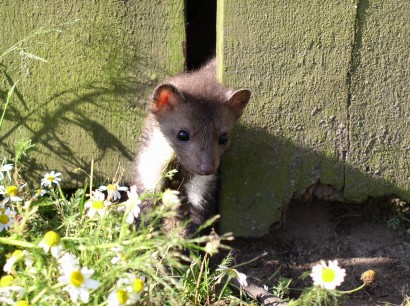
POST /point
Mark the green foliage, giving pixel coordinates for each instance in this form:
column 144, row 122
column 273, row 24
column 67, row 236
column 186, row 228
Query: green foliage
column 108, row 244
column 317, row 296
column 282, row 288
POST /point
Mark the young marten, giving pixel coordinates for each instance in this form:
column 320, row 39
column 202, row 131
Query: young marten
column 188, row 128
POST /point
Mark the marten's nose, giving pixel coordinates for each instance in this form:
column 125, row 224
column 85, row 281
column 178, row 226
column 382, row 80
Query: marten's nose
column 206, row 169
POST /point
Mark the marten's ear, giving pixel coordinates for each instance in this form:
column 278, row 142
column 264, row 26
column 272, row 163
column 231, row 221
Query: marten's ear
column 238, row 100
column 165, row 97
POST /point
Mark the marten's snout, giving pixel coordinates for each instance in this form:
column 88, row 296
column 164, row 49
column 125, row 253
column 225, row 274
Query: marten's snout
column 206, row 169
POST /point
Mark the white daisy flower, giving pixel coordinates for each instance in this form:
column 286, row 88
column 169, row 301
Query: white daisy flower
column 5, row 168
column 134, row 286
column 52, row 242
column 68, row 259
column 119, row 254
column 11, row 193
column 97, row 204
column 113, row 191
column 131, row 205
column 51, row 178
column 170, row 197
column 7, row 287
column 7, row 218
column 77, row 280
column 40, row 193
column 16, row 256
column 118, row 297
column 6, row 301
column 328, row 276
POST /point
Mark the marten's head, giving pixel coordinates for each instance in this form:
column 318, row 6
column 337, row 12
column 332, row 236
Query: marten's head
column 198, row 124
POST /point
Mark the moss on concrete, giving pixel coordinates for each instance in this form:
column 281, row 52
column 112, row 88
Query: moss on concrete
column 88, row 101
column 329, row 82
column 379, row 111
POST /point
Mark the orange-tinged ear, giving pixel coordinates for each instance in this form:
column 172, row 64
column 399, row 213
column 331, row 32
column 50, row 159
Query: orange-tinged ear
column 165, row 97
column 238, row 100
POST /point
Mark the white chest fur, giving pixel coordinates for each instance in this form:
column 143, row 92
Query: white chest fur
column 153, row 160
column 198, row 187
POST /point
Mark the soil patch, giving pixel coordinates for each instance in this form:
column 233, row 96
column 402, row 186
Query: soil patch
column 357, row 235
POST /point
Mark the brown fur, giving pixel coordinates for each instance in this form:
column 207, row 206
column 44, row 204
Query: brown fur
column 202, row 108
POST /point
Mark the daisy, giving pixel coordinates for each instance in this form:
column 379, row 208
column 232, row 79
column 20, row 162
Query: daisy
column 7, row 218
column 68, row 259
column 119, row 254
column 113, row 191
column 52, row 242
column 50, row 178
column 97, row 204
column 7, row 287
column 40, row 193
column 6, row 301
column 16, row 256
column 328, row 276
column 170, row 197
column 131, row 205
column 5, row 168
column 118, row 297
column 134, row 286
column 76, row 279
column 11, row 193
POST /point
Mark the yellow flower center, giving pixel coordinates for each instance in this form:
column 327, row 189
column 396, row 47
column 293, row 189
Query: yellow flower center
column 137, row 285
column 111, row 187
column 51, row 178
column 17, row 253
column 328, row 275
column 51, row 238
column 122, row 296
column 6, row 281
column 2, row 210
column 76, row 278
column 21, row 303
column 4, row 219
column 12, row 191
column 98, row 205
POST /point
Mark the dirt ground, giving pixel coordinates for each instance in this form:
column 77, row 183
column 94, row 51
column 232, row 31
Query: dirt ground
column 357, row 235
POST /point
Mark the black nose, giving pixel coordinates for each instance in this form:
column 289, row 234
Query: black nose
column 206, row 169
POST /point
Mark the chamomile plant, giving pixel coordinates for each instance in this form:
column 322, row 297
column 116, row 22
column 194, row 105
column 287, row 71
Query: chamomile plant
column 83, row 249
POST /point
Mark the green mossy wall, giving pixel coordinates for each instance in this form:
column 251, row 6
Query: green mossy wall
column 329, row 80
column 89, row 100
column 330, row 103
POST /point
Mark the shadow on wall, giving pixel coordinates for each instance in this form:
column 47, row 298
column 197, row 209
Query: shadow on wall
column 261, row 173
column 81, row 111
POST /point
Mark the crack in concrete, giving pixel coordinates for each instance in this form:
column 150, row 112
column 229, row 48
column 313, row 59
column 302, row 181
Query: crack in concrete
column 361, row 7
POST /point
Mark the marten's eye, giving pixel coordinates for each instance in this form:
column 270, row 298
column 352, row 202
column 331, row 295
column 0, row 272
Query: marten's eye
column 183, row 136
column 223, row 139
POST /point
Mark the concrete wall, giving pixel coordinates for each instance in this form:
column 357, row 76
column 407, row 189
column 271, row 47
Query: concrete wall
column 329, row 80
column 330, row 103
column 89, row 100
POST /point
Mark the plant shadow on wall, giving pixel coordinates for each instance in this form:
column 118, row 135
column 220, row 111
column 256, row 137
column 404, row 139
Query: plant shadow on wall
column 266, row 179
column 82, row 111
column 74, row 115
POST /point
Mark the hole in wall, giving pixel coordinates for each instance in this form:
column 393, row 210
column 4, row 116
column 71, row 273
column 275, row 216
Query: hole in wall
column 200, row 32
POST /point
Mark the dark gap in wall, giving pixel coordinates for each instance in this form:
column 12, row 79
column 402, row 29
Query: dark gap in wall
column 200, row 32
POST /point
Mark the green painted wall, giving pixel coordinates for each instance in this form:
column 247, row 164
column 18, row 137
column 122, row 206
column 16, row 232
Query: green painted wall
column 330, row 103
column 89, row 100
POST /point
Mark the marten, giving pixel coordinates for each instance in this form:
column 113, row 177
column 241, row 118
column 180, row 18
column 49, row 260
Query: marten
column 188, row 128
